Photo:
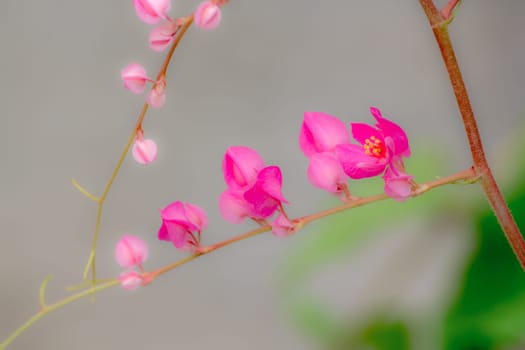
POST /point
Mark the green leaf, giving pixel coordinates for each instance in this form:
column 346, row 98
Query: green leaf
column 489, row 310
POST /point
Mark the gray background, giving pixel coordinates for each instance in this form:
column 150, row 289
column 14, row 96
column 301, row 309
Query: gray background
column 64, row 114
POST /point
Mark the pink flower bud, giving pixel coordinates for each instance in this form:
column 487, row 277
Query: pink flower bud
column 157, row 95
column 282, row 226
column 134, row 77
column 325, row 172
column 321, row 132
column 182, row 224
column 398, row 185
column 161, row 37
column 131, row 251
column 207, row 15
column 240, row 166
column 144, row 151
column 152, row 11
column 130, row 280
column 265, row 196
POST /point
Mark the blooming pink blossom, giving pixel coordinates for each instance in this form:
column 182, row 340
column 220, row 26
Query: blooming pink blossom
column 157, row 96
column 131, row 251
column 182, row 224
column 152, row 11
column 162, row 36
column 240, row 166
column 130, row 280
column 282, row 226
column 398, row 185
column 378, row 147
column 208, row 15
column 144, row 151
column 134, row 77
column 325, row 172
column 321, row 132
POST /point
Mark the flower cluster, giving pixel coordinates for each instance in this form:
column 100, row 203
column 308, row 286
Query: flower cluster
column 134, row 76
column 253, row 190
column 130, row 253
column 325, row 140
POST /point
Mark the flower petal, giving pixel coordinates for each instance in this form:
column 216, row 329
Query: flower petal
column 240, row 166
column 357, row 164
column 325, row 172
column 321, row 132
column 391, row 129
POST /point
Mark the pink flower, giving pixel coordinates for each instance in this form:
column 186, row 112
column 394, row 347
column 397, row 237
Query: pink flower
column 378, row 147
column 265, row 196
column 131, row 251
column 282, row 226
column 134, row 77
column 182, row 224
column 152, row 11
column 144, row 151
column 157, row 96
column 398, row 185
column 240, row 166
column 207, row 15
column 325, row 172
column 162, row 36
column 130, row 280
column 253, row 190
column 321, row 132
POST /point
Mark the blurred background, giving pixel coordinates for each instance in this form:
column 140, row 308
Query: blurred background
column 433, row 273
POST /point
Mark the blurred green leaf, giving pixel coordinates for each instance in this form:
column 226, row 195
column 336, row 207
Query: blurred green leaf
column 489, row 310
column 385, row 334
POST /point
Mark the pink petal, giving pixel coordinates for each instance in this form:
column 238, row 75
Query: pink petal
column 161, row 37
column 391, row 129
column 357, row 164
column 131, row 251
column 208, row 15
column 233, row 207
column 134, row 77
column 270, row 180
column 325, row 172
column 397, row 185
column 282, row 226
column 361, row 132
column 152, row 11
column 321, row 132
column 144, row 151
column 130, row 280
column 262, row 204
column 163, row 233
column 196, row 215
column 240, row 166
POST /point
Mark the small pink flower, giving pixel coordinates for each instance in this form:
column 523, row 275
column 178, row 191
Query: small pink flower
column 134, row 77
column 398, row 185
column 157, row 96
column 130, row 280
column 321, row 132
column 325, row 172
column 131, row 251
column 152, row 11
column 207, row 15
column 144, row 151
column 265, row 196
column 162, row 36
column 240, row 166
column 378, row 147
column 182, row 224
column 282, row 226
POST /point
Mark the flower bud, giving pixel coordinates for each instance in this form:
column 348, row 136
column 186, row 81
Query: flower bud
column 207, row 15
